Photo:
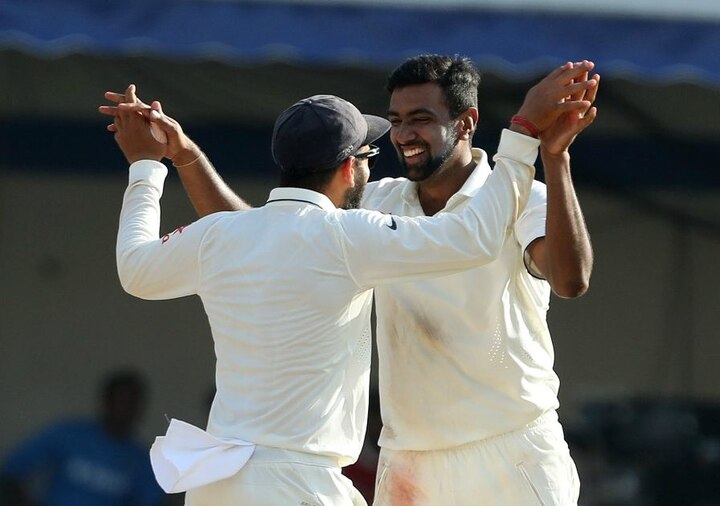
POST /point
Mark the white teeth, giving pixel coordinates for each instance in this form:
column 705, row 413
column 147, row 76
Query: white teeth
column 407, row 153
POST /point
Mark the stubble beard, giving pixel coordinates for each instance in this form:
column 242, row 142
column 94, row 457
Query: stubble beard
column 353, row 196
column 422, row 172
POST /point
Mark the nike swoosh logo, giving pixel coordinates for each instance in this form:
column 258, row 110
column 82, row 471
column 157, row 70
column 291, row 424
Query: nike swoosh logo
column 393, row 224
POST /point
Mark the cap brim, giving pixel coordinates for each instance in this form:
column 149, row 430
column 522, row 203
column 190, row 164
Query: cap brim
column 377, row 127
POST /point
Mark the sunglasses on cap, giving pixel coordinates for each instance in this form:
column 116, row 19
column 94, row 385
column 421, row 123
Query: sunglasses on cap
column 370, row 154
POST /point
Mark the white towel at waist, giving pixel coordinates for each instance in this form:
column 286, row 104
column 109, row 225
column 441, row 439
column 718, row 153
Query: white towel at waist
column 188, row 457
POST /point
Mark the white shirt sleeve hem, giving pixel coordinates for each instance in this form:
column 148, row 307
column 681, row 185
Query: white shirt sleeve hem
column 148, row 170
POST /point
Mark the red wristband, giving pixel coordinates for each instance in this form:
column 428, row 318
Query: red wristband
column 529, row 125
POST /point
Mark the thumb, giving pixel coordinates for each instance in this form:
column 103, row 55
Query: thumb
column 156, row 115
column 156, row 106
column 130, row 95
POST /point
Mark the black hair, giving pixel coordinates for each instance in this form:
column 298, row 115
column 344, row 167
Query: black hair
column 457, row 77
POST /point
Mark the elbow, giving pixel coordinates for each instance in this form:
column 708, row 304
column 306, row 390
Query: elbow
column 136, row 289
column 128, row 284
column 572, row 280
column 572, row 288
column 129, row 279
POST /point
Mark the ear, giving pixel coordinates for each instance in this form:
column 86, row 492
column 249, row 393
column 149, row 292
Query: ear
column 346, row 172
column 468, row 121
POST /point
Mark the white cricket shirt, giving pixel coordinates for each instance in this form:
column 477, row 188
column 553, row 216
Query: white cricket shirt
column 287, row 291
column 467, row 356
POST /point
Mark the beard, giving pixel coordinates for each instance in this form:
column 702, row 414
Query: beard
column 353, row 196
column 423, row 171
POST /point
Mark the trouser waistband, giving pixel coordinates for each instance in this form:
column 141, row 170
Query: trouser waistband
column 547, row 417
column 270, row 454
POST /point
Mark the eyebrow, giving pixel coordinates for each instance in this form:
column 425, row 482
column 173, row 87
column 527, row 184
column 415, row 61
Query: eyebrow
column 414, row 112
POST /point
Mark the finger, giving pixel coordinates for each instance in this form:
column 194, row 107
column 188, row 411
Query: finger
column 585, row 64
column 114, row 97
column 574, row 105
column 137, row 106
column 586, row 120
column 156, row 112
column 132, row 97
column 157, row 116
column 564, row 75
column 560, row 70
column 166, row 123
column 108, row 110
column 580, row 94
column 575, row 89
column 576, row 70
column 592, row 92
column 589, row 117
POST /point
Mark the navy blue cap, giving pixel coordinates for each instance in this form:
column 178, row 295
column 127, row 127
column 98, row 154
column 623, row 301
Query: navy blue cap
column 319, row 132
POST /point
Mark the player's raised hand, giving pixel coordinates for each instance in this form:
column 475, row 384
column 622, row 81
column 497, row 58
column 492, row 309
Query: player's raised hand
column 179, row 148
column 130, row 96
column 134, row 137
column 557, row 138
column 560, row 92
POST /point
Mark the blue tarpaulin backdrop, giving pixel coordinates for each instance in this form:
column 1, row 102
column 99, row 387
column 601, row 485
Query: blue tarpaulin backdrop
column 511, row 44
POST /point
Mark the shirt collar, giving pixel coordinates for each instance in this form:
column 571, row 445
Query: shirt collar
column 299, row 196
column 477, row 178
column 479, row 174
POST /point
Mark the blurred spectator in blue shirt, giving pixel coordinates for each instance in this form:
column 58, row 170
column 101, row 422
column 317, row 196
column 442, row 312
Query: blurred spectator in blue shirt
column 87, row 462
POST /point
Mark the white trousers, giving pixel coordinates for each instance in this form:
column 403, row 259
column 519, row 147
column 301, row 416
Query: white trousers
column 274, row 477
column 527, row 467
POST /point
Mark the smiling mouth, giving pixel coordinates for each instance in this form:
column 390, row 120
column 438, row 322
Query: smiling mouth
column 412, row 152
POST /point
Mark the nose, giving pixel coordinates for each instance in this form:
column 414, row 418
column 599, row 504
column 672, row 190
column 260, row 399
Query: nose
column 402, row 133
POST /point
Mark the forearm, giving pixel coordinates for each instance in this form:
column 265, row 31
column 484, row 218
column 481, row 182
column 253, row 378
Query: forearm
column 207, row 191
column 139, row 221
column 516, row 155
column 568, row 251
column 148, row 266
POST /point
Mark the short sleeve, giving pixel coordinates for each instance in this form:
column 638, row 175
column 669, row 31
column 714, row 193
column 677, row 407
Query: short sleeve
column 531, row 222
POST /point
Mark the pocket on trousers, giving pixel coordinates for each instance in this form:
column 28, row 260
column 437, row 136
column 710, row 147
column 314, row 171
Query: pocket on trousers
column 532, row 482
column 549, row 481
